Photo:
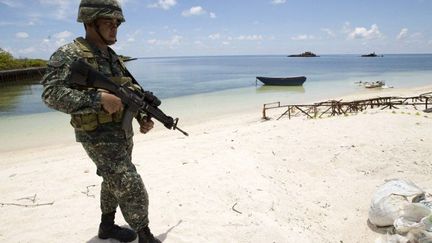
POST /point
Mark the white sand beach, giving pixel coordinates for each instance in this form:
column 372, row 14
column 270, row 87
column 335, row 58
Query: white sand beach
column 236, row 179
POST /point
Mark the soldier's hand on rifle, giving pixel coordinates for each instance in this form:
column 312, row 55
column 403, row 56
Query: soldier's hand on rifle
column 111, row 103
column 146, row 125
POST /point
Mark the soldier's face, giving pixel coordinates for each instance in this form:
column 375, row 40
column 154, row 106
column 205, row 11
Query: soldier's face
column 108, row 29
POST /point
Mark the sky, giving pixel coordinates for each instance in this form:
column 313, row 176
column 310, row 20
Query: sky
column 160, row 28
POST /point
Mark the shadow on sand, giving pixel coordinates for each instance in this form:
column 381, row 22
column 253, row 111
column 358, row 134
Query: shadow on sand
column 381, row 230
column 161, row 237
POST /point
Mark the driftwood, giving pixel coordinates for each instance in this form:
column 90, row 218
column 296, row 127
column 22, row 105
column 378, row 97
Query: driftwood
column 88, row 191
column 32, row 199
column 339, row 107
column 235, row 210
column 26, row 205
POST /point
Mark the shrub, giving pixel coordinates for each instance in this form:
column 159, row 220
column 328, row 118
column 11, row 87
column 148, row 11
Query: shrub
column 7, row 62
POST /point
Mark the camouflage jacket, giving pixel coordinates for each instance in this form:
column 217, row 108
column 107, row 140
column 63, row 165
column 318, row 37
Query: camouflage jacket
column 60, row 94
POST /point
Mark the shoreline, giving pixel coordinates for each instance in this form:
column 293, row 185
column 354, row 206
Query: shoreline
column 17, row 76
column 298, row 180
column 34, row 132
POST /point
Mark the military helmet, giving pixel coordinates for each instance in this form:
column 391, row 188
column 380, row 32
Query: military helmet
column 90, row 10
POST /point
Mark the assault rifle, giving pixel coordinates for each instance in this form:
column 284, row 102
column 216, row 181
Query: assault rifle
column 85, row 75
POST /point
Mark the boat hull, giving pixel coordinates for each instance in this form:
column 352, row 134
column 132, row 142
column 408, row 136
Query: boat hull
column 289, row 81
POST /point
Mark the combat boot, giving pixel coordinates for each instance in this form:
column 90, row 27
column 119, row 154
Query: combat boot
column 109, row 230
column 145, row 236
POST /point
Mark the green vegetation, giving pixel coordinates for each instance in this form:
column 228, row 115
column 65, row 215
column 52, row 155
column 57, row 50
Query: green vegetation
column 8, row 62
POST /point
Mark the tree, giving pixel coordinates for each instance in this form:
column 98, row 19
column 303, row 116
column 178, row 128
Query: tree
column 6, row 60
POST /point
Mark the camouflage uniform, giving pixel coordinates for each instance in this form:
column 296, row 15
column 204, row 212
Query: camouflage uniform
column 108, row 145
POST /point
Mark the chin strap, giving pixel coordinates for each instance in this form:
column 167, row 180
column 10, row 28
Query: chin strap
column 100, row 35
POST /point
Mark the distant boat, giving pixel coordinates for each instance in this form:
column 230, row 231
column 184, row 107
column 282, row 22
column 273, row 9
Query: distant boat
column 304, row 54
column 372, row 55
column 288, row 81
column 375, row 84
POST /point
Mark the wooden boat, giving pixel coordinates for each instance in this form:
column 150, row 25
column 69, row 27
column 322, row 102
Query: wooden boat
column 376, row 84
column 288, row 81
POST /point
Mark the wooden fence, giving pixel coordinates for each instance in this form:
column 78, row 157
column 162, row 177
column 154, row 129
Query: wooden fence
column 18, row 75
column 339, row 107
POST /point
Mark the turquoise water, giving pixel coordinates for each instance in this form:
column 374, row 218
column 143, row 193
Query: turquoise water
column 197, row 89
column 328, row 75
column 170, row 77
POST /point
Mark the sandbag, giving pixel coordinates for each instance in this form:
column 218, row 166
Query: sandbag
column 390, row 199
column 412, row 216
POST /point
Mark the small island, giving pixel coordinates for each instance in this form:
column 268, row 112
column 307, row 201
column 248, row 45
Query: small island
column 8, row 62
column 12, row 69
column 304, row 54
column 372, row 55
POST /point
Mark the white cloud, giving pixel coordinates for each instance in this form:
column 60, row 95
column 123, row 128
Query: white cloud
column 250, row 37
column 363, row 33
column 226, row 43
column 303, row 37
column 63, row 35
column 131, row 37
column 11, row 3
column 10, row 50
column 416, row 39
column 171, row 43
column 403, row 34
column 175, row 40
column 22, row 35
column 212, row 15
column 346, row 28
column 152, row 42
column 163, row 4
column 18, row 24
column 27, row 50
column 57, row 40
column 194, row 11
column 63, row 7
column 215, row 36
column 328, row 31
column 275, row 2
column 417, row 36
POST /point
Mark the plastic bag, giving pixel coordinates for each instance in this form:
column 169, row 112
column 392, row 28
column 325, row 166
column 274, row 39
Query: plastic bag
column 411, row 217
column 390, row 199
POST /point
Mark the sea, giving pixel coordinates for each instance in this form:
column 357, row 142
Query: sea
column 199, row 88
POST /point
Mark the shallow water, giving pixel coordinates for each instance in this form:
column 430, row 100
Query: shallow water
column 199, row 88
column 184, row 76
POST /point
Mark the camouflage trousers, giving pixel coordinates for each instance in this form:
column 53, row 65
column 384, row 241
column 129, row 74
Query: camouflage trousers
column 122, row 185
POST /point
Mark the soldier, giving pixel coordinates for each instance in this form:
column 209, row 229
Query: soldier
column 96, row 117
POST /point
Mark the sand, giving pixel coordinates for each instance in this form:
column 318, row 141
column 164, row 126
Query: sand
column 237, row 178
